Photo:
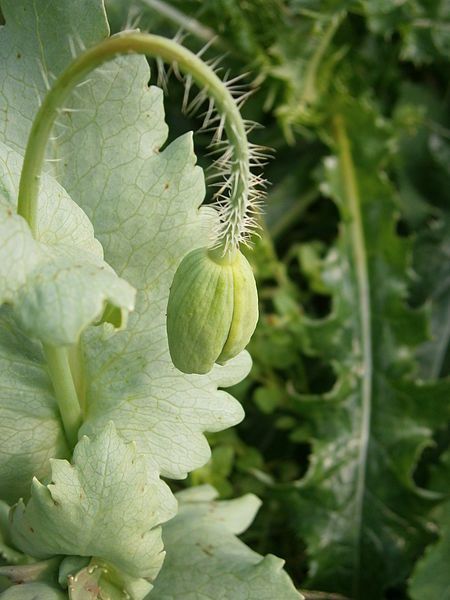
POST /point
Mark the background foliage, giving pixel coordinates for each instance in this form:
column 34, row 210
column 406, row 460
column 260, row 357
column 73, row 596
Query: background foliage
column 346, row 436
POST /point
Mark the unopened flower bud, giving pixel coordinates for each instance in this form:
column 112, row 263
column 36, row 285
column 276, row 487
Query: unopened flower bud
column 212, row 310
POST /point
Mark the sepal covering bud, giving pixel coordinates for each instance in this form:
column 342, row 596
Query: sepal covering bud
column 212, row 310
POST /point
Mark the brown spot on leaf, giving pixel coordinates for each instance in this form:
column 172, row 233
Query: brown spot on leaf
column 206, row 549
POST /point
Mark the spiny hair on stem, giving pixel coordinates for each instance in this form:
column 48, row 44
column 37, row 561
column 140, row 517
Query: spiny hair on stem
column 239, row 188
column 237, row 164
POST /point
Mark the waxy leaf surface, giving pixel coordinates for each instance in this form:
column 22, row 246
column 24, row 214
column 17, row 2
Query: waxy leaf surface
column 206, row 560
column 100, row 505
column 144, row 205
column 54, row 286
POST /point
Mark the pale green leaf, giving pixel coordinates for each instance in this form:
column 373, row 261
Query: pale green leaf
column 8, row 555
column 206, row 561
column 59, row 284
column 33, row 591
column 56, row 287
column 144, row 204
column 36, row 45
column 33, row 572
column 30, row 427
column 101, row 505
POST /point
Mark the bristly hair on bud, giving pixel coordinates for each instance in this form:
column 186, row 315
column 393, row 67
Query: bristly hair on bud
column 236, row 170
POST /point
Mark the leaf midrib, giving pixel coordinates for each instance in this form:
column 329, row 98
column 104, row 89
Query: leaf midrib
column 351, row 193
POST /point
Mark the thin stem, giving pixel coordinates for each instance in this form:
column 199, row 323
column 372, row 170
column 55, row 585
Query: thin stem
column 182, row 20
column 169, row 51
column 353, row 205
column 292, row 214
column 310, row 90
column 76, row 364
column 65, row 392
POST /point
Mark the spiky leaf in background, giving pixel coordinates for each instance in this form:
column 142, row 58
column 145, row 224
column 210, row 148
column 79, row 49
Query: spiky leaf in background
column 422, row 27
column 367, row 519
column 422, row 171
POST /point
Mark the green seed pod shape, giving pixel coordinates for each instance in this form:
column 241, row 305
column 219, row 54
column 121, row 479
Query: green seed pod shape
column 212, row 310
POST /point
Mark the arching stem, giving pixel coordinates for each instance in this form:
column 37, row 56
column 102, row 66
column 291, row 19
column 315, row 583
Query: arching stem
column 154, row 46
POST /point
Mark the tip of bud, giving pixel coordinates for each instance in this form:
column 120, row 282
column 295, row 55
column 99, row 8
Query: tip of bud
column 221, row 256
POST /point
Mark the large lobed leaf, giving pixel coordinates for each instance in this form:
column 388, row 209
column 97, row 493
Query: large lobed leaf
column 104, row 495
column 54, row 287
column 145, row 245
column 363, row 518
column 205, row 559
column 144, row 205
column 62, row 275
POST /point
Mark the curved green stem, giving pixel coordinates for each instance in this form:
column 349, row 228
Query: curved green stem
column 169, row 51
column 65, row 391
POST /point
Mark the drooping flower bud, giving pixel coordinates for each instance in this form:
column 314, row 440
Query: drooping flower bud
column 212, row 310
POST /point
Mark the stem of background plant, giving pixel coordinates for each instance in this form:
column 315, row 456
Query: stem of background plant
column 310, row 84
column 185, row 22
column 66, row 394
column 353, row 205
column 291, row 216
column 170, row 52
